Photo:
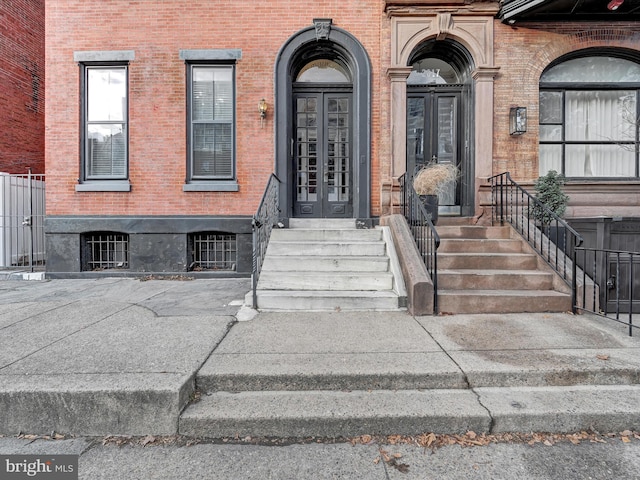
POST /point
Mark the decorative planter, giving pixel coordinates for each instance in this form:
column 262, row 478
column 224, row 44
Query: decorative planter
column 430, row 203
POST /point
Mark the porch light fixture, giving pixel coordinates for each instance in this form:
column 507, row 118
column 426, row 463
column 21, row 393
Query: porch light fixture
column 262, row 108
column 517, row 120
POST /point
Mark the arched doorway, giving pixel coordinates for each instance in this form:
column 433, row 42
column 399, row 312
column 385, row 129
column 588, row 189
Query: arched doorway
column 322, row 125
column 440, row 118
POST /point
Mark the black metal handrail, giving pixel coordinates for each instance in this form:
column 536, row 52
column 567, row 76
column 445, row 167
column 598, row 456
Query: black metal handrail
column 612, row 274
column 548, row 234
column 424, row 232
column 266, row 217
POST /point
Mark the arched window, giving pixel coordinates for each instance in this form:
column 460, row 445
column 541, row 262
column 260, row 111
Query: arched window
column 323, row 71
column 430, row 71
column 589, row 117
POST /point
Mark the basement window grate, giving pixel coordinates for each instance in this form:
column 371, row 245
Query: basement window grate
column 105, row 250
column 213, row 251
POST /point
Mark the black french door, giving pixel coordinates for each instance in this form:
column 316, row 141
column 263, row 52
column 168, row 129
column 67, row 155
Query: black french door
column 322, row 154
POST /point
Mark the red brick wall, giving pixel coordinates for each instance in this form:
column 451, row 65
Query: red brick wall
column 157, row 31
column 22, row 86
column 522, row 53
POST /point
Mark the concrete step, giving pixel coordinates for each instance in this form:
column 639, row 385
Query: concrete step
column 333, row 235
column 450, row 220
column 333, row 300
column 502, row 301
column 326, row 248
column 468, row 279
column 487, row 261
column 329, row 371
column 483, row 245
column 319, row 263
column 426, row 370
column 270, row 280
column 333, row 413
column 473, row 231
column 337, row 414
column 93, row 404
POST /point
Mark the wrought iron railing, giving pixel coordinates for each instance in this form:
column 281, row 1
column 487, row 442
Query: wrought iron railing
column 424, row 232
column 613, row 273
column 548, row 234
column 266, row 217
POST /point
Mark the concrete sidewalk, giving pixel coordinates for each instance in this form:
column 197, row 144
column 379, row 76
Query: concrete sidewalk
column 125, row 357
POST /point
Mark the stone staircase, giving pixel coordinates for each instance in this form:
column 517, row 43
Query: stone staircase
column 484, row 269
column 330, row 265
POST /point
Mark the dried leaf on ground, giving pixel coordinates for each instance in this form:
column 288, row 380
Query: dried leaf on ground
column 602, row 357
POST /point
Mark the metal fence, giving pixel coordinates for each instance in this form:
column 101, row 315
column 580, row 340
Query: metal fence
column 22, row 212
column 548, row 234
column 616, row 275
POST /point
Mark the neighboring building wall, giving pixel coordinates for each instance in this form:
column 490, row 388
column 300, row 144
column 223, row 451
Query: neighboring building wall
column 522, row 52
column 22, row 86
column 156, row 31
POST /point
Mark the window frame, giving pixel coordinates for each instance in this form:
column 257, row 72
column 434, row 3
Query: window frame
column 563, row 88
column 212, row 183
column 106, row 182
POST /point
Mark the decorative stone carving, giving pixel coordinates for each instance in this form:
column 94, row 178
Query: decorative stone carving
column 445, row 24
column 323, row 28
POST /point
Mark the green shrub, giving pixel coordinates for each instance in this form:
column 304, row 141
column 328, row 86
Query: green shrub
column 549, row 191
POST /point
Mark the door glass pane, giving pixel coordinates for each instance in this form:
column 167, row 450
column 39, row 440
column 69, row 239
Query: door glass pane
column 447, row 143
column 306, row 150
column 415, row 132
column 338, row 162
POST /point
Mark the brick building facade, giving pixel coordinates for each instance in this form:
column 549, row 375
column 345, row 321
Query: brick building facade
column 156, row 146
column 22, row 86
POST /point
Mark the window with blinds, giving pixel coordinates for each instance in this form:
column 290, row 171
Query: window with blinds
column 105, row 123
column 212, row 106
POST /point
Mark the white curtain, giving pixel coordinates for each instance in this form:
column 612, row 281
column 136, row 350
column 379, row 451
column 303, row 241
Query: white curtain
column 598, row 116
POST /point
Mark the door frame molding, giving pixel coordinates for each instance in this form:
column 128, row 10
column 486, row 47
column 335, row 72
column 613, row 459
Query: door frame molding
column 358, row 62
column 473, row 30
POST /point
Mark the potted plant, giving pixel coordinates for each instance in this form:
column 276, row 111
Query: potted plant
column 430, row 181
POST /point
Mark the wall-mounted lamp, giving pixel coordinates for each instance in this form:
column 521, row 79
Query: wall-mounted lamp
column 517, row 120
column 262, row 108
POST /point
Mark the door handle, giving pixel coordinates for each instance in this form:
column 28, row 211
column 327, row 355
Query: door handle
column 434, row 159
